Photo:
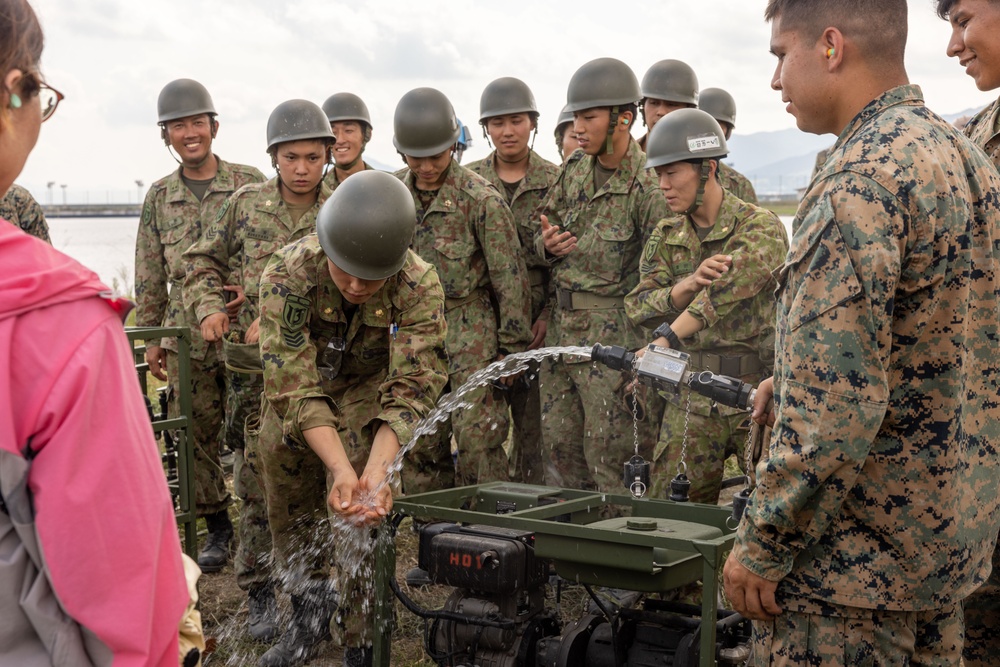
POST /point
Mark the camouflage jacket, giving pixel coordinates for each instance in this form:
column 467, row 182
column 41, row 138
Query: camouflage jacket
column 737, row 309
column 611, row 225
column 172, row 219
column 252, row 226
column 737, row 183
column 524, row 206
column 20, row 209
column 468, row 234
column 880, row 487
column 333, row 181
column 984, row 130
column 318, row 356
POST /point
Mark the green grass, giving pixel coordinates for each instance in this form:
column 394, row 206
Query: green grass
column 782, row 208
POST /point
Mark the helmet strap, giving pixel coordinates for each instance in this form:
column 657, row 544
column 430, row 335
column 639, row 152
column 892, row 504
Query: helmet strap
column 699, row 198
column 609, row 146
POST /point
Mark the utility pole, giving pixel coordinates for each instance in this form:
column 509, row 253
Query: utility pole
column 63, row 186
column 49, row 186
column 138, row 191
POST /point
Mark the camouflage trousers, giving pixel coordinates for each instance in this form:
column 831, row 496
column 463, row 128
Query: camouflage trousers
column 710, row 441
column 480, row 432
column 208, row 387
column 526, row 422
column 982, row 621
column 296, row 486
column 854, row 637
column 252, row 562
column 587, row 431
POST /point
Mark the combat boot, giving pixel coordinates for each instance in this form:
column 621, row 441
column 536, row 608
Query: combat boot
column 310, row 625
column 263, row 620
column 215, row 552
column 355, row 656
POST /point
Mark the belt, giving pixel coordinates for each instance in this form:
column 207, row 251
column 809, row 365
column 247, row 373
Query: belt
column 175, row 290
column 587, row 301
column 536, row 277
column 458, row 302
column 737, row 365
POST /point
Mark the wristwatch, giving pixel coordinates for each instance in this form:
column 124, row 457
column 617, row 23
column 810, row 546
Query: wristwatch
column 664, row 331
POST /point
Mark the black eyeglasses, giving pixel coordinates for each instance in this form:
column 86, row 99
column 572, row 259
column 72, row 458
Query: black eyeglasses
column 49, row 98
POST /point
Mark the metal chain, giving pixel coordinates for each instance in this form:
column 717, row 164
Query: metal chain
column 635, row 403
column 748, row 456
column 682, row 464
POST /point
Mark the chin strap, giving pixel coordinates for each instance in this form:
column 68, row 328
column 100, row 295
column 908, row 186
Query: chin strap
column 706, row 168
column 609, row 146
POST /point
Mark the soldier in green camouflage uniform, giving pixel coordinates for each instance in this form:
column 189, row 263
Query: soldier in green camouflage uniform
column 20, row 209
column 976, row 35
column 353, row 342
column 466, row 231
column 176, row 212
column 351, row 124
column 608, row 204
column 722, row 107
column 876, row 511
column 509, row 117
column 253, row 224
column 706, row 281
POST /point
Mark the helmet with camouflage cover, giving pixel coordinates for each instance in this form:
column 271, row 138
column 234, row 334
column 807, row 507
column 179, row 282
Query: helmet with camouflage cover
column 506, row 95
column 182, row 98
column 424, row 123
column 366, row 226
column 719, row 104
column 671, row 80
column 604, row 82
column 687, row 135
column 297, row 120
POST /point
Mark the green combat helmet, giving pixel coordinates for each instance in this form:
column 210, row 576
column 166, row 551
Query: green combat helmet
column 565, row 118
column 671, row 80
column 179, row 99
column 341, row 107
column 504, row 96
column 687, row 135
column 296, row 120
column 182, row 98
column 719, row 104
column 424, row 123
column 366, row 226
column 604, row 82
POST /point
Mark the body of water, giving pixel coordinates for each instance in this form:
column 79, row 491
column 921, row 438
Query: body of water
column 104, row 245
column 107, row 246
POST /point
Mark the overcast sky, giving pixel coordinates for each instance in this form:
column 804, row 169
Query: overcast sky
column 111, row 58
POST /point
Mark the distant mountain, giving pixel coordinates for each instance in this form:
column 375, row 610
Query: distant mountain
column 778, row 163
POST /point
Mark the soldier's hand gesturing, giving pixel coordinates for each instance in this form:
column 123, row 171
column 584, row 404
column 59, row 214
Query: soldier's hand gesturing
column 556, row 243
column 710, row 269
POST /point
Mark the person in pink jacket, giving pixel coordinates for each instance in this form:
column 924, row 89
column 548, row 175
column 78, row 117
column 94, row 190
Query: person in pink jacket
column 90, row 561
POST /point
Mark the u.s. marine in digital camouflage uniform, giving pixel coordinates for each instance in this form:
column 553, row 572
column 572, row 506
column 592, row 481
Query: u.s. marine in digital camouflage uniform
column 353, row 343
column 20, row 209
column 974, row 28
column 727, row 326
column 174, row 217
column 587, row 432
column 508, row 115
column 256, row 222
column 876, row 511
column 466, row 231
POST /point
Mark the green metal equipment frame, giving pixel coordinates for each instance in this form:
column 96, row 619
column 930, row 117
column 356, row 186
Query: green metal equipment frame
column 564, row 533
column 182, row 484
